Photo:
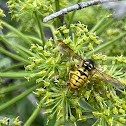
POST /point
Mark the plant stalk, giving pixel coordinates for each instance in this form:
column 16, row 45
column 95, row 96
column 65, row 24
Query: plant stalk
column 19, row 97
column 41, row 30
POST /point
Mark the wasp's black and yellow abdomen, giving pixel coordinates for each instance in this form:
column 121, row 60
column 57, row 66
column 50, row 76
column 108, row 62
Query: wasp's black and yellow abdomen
column 80, row 76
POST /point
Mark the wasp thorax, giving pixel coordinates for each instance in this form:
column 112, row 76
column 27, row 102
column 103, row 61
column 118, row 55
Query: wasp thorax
column 88, row 64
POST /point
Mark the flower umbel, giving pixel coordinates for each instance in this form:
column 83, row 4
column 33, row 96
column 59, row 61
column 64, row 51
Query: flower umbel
column 96, row 98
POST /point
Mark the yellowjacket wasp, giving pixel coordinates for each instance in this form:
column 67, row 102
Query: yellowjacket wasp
column 81, row 74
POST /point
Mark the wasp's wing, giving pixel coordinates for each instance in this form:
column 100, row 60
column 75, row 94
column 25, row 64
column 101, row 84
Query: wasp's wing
column 113, row 81
column 64, row 48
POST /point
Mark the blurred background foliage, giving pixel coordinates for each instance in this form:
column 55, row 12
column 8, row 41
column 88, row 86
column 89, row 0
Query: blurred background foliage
column 23, row 17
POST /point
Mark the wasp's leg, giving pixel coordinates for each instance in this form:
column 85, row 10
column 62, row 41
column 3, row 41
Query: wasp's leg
column 82, row 62
column 76, row 67
column 68, row 82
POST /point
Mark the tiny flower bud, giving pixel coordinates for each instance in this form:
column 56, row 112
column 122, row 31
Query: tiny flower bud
column 51, row 74
column 49, row 118
column 5, row 121
column 99, row 99
column 122, row 111
column 49, row 101
column 90, row 47
column 39, row 80
column 47, row 95
column 107, row 112
column 32, row 66
column 118, row 124
column 80, row 25
column 38, row 3
column 85, row 30
column 80, row 41
column 31, row 59
column 30, row 1
column 108, row 95
column 122, row 120
column 82, row 119
column 110, row 121
column 87, row 94
column 109, row 16
column 46, row 83
column 40, row 48
column 59, row 108
column 58, row 59
column 28, row 78
column 39, row 92
column 92, row 37
column 96, row 113
column 47, row 111
column 24, row 7
column 63, row 27
column 49, row 44
column 115, row 110
column 9, row 2
column 124, row 106
column 1, row 13
column 67, row 40
column 56, row 32
column 55, row 49
column 97, row 42
column 12, row 6
column 43, row 72
column 72, row 26
column 66, row 31
column 78, row 33
column 59, row 116
column 49, row 61
column 47, row 53
column 85, row 38
column 17, row 122
column 119, row 59
column 79, row 112
column 33, row 47
column 76, row 101
column 37, row 61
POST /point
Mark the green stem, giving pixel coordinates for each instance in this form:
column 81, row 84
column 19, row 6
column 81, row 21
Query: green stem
column 16, row 47
column 102, row 29
column 14, row 56
column 19, row 97
column 103, row 46
column 72, row 16
column 98, row 24
column 67, row 113
column 28, row 36
column 18, row 74
column 15, row 66
column 41, row 30
column 17, row 32
column 34, row 115
column 58, row 21
column 16, row 87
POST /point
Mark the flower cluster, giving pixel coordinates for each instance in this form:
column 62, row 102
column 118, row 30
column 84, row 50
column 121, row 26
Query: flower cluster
column 116, row 29
column 28, row 11
column 81, row 38
column 51, row 68
column 45, row 62
column 6, row 122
